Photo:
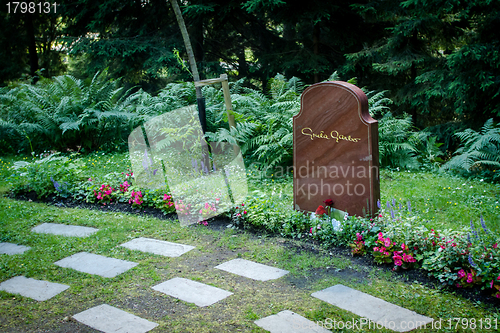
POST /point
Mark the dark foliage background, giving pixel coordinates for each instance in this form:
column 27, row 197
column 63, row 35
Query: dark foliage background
column 439, row 61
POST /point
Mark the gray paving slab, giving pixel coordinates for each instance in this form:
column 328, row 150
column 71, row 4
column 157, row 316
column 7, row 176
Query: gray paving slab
column 252, row 269
column 11, row 249
column 374, row 309
column 96, row 264
column 64, row 230
column 155, row 246
column 109, row 319
column 287, row 322
column 36, row 289
column 192, row 291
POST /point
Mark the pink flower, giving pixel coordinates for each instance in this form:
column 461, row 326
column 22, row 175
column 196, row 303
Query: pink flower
column 495, row 245
column 380, row 215
column 387, row 242
column 403, row 246
column 359, row 237
column 469, row 277
column 461, row 273
column 491, row 284
column 398, row 262
column 311, row 230
column 244, row 212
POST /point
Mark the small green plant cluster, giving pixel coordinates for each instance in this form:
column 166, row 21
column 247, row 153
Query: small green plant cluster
column 45, row 175
column 63, row 177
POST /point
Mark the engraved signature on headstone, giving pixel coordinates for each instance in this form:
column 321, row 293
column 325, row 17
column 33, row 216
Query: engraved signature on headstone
column 333, row 135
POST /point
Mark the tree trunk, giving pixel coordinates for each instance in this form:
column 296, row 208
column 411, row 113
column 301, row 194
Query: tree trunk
column 187, row 43
column 192, row 63
column 316, row 32
column 30, row 30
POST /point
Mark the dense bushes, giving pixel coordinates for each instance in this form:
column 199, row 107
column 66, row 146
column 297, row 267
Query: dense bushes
column 71, row 114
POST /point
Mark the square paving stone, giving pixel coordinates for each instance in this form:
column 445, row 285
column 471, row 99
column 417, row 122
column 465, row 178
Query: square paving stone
column 252, row 269
column 155, row 246
column 96, row 264
column 109, row 319
column 288, row 321
column 36, row 289
column 192, row 291
column 10, row 248
column 64, row 230
column 372, row 308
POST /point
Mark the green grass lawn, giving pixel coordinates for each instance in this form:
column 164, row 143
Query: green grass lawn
column 445, row 201
column 131, row 291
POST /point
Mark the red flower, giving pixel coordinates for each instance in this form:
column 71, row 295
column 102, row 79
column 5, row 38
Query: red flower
column 495, row 245
column 320, row 211
column 328, row 202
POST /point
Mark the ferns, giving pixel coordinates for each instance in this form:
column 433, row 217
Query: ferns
column 264, row 124
column 397, row 143
column 479, row 150
column 65, row 112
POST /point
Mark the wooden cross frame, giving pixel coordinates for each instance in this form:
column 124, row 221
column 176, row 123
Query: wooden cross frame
column 227, row 96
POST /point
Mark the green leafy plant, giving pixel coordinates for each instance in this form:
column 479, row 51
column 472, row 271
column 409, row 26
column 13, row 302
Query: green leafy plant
column 53, row 174
column 479, row 150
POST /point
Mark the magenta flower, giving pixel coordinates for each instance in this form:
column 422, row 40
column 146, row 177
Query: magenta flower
column 469, row 277
column 461, row 273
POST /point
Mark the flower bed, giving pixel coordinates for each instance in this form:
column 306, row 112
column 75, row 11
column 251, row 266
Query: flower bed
column 396, row 236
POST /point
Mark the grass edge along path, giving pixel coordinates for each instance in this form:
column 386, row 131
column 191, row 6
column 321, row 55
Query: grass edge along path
column 131, row 291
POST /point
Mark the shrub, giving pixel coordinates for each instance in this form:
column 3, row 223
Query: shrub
column 479, row 151
column 53, row 174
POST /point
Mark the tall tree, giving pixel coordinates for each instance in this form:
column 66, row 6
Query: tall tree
column 437, row 58
column 192, row 62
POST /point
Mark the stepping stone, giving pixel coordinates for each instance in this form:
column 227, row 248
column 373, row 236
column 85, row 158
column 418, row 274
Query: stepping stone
column 372, row 309
column 192, row 291
column 159, row 247
column 288, row 321
column 10, row 249
column 109, row 319
column 96, row 264
column 252, row 269
column 36, row 289
column 64, row 230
